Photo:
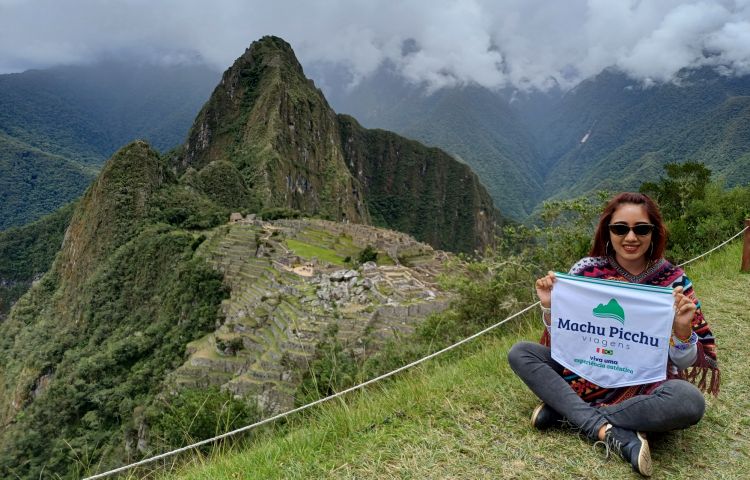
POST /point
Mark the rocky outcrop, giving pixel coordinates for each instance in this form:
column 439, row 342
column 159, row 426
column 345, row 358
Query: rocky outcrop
column 420, row 190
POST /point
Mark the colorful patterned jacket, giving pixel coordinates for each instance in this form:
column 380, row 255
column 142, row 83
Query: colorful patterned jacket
column 704, row 372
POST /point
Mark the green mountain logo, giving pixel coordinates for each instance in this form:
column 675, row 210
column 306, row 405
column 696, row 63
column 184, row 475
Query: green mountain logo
column 610, row 310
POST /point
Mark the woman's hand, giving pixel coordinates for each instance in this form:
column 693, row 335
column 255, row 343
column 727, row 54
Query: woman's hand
column 544, row 289
column 684, row 309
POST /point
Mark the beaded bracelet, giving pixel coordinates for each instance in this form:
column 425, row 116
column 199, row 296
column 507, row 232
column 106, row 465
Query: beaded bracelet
column 680, row 344
column 681, row 340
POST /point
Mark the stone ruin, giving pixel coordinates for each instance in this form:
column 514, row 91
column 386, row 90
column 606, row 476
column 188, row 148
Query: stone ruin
column 282, row 304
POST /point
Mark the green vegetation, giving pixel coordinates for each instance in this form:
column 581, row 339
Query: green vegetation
column 309, row 251
column 57, row 126
column 27, row 252
column 223, row 183
column 700, row 214
column 34, row 183
column 477, row 126
column 635, row 131
column 527, row 147
column 194, row 414
column 368, row 254
column 466, row 415
column 135, row 316
column 412, row 188
column 184, row 207
column 267, row 120
column 280, row 212
column 85, row 351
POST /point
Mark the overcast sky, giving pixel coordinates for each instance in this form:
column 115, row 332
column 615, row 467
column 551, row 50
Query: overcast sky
column 495, row 43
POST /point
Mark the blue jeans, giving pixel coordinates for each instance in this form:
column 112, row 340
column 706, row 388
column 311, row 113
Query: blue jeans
column 673, row 405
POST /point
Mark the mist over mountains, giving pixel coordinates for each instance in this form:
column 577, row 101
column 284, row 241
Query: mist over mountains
column 610, row 132
column 58, row 126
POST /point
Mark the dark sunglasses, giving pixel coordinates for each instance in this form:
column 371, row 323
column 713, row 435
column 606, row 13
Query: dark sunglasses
column 620, row 229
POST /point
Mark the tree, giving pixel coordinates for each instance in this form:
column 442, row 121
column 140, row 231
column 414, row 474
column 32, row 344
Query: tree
column 684, row 183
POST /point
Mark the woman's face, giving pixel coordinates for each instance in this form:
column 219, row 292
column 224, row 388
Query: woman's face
column 630, row 248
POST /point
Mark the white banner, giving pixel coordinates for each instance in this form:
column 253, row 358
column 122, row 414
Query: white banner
column 611, row 333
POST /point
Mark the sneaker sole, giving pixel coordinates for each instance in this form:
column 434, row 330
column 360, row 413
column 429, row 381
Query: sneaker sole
column 645, row 467
column 535, row 414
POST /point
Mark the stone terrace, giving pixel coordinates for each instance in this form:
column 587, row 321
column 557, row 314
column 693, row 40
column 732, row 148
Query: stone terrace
column 290, row 282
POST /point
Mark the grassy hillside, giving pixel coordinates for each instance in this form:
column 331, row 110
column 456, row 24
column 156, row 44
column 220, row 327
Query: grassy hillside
column 466, row 416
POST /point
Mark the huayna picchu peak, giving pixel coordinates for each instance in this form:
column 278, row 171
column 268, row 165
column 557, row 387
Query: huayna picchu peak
column 155, row 298
column 277, row 129
column 292, row 151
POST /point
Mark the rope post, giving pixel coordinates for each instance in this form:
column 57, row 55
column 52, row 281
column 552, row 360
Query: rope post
column 746, row 248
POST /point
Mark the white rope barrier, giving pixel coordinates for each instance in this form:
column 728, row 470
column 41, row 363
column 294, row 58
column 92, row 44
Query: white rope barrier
column 715, row 248
column 348, row 390
column 312, row 404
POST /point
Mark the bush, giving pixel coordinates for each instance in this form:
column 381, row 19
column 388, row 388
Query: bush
column 369, row 254
column 196, row 414
column 699, row 214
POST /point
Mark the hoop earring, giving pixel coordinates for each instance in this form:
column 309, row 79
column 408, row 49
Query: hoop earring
column 606, row 248
column 651, row 255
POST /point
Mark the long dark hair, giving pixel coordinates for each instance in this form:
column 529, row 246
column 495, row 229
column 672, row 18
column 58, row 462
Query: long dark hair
column 658, row 237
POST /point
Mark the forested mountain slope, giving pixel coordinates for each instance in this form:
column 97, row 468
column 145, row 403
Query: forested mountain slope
column 612, row 124
column 34, row 182
column 474, row 124
column 269, row 127
column 609, row 132
column 57, row 126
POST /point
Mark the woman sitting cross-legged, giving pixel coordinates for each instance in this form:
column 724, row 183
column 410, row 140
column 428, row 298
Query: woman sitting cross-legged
column 628, row 246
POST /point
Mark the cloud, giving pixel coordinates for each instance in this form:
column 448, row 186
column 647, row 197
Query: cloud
column 494, row 43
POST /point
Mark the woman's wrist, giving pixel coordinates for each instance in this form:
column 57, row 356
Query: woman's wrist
column 682, row 334
column 683, row 343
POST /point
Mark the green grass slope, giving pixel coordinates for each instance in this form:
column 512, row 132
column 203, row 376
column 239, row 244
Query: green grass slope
column 466, row 416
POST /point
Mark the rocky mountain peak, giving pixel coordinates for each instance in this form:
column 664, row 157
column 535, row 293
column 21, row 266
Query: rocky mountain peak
column 111, row 209
column 278, row 130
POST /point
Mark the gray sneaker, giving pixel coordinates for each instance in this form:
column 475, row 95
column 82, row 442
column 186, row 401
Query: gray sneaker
column 631, row 446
